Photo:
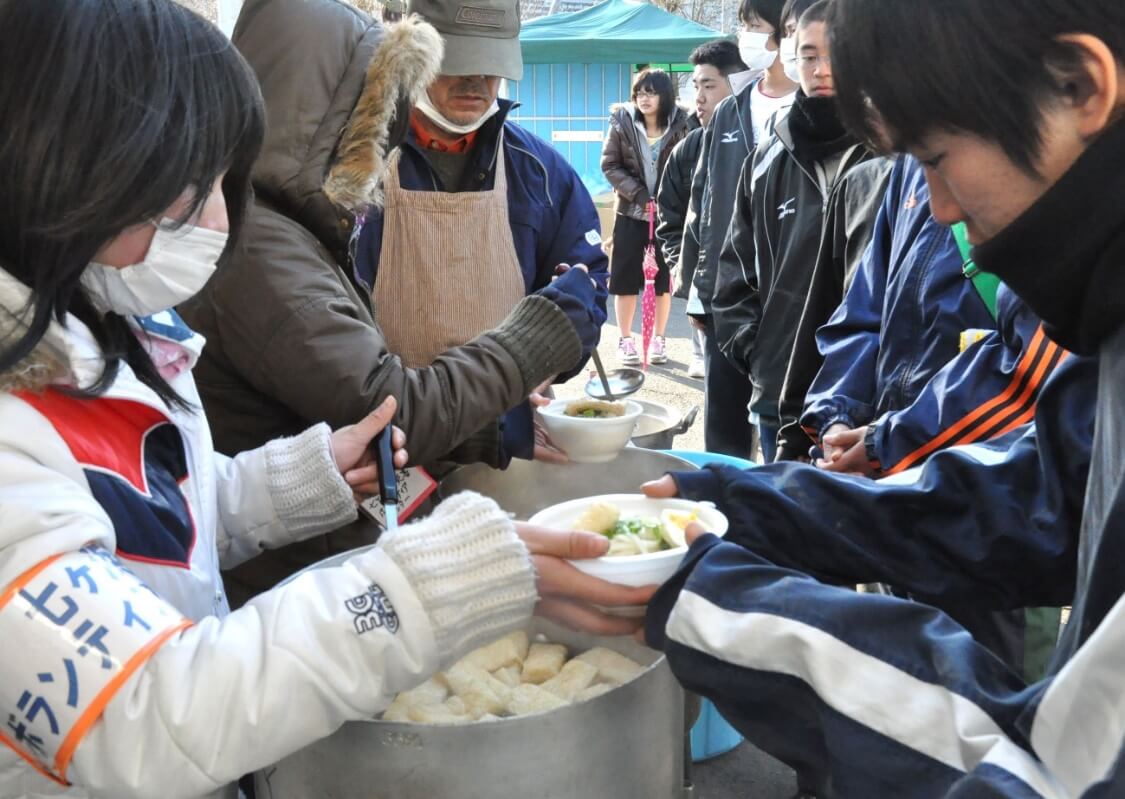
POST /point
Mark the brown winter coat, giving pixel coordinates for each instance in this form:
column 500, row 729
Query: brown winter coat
column 290, row 340
column 625, row 155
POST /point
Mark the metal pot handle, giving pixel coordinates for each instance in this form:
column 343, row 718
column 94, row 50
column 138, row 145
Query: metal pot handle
column 688, row 420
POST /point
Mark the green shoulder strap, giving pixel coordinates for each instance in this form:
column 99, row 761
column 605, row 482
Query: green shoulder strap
column 985, row 283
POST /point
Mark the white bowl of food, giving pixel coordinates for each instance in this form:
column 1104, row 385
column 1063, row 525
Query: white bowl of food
column 646, row 535
column 589, row 430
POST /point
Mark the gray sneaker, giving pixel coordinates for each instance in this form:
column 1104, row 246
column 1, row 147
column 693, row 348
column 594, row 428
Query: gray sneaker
column 627, row 351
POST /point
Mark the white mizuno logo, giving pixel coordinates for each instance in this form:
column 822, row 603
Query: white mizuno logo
column 785, row 209
column 730, row 137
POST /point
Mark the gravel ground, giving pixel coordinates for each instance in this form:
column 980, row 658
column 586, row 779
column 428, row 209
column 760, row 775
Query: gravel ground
column 205, row 8
column 746, row 772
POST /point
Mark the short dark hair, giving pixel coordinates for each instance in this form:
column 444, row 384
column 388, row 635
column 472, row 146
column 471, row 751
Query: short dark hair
column 975, row 80
column 817, row 12
column 765, row 10
column 722, row 54
column 111, row 110
column 660, row 82
column 793, row 10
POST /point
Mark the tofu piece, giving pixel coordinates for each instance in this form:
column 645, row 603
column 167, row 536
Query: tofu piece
column 574, row 677
column 509, row 650
column 528, row 699
column 598, row 518
column 456, row 705
column 594, row 691
column 543, row 662
column 481, row 692
column 509, row 675
column 398, row 711
column 613, row 667
column 433, row 691
column 437, row 714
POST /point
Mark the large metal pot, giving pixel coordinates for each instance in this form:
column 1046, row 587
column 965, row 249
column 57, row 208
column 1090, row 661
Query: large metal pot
column 625, row 744
column 659, row 425
column 526, row 487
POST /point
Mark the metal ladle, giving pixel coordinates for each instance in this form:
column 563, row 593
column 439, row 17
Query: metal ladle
column 615, row 384
column 619, row 382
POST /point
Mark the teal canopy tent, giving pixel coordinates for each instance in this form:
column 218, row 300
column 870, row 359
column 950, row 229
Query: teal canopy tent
column 613, row 32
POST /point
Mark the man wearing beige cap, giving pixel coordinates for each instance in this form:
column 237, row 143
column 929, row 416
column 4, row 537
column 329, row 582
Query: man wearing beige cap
column 478, row 212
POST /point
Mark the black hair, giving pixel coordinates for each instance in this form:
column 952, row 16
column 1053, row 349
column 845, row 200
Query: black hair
column 766, row 10
column 817, row 12
column 111, row 111
column 722, row 54
column 793, row 10
column 660, row 82
column 990, row 69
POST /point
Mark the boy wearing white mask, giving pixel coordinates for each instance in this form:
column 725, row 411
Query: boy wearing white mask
column 759, row 45
column 777, row 229
column 728, row 141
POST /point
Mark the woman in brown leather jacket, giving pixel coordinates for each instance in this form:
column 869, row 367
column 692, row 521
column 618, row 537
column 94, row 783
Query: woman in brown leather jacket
column 641, row 136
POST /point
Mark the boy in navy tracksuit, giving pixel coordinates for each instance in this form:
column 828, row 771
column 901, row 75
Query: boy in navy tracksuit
column 884, row 697
column 908, row 312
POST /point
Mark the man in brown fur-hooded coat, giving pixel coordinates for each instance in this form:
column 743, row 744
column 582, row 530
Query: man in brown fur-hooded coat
column 290, row 341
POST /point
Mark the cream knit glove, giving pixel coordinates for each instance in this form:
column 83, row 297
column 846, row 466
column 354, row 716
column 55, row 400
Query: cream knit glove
column 308, row 491
column 471, row 572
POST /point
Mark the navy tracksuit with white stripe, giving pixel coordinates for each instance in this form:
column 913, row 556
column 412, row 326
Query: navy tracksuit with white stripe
column 881, row 697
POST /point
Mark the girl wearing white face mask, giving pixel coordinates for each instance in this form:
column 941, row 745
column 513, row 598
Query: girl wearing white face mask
column 117, row 513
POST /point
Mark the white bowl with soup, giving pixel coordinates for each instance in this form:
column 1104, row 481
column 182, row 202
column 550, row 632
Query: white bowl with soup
column 590, row 431
column 646, row 535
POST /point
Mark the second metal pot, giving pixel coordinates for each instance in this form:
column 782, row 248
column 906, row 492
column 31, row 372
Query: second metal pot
column 659, row 425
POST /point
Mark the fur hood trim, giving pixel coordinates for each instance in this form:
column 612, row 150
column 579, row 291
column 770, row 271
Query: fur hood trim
column 49, row 362
column 407, row 61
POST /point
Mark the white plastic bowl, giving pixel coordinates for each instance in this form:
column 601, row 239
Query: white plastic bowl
column 650, row 569
column 589, row 440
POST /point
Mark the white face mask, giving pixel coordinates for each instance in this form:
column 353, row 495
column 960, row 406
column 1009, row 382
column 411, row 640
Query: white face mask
column 752, row 50
column 178, row 264
column 789, row 59
column 424, row 105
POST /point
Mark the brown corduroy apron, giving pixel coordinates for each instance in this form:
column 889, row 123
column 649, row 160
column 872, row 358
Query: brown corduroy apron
column 448, row 269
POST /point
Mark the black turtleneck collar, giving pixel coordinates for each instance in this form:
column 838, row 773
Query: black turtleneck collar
column 815, row 126
column 1065, row 256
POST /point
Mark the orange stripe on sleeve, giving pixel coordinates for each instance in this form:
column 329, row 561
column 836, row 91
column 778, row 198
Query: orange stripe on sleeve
column 949, row 434
column 1022, row 419
column 1041, row 370
column 1028, row 414
column 8, row 742
column 20, row 582
column 92, row 713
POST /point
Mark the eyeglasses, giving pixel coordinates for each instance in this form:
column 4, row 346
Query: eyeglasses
column 646, row 93
column 811, row 61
